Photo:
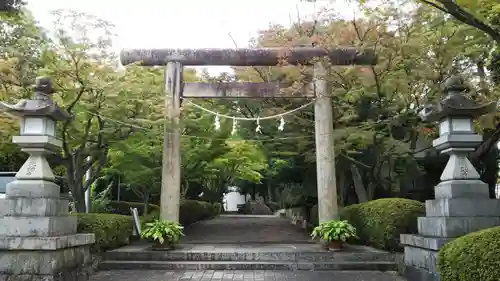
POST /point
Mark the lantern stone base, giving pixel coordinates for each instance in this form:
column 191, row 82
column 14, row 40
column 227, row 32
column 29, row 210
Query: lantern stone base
column 38, row 239
column 65, row 258
column 460, row 207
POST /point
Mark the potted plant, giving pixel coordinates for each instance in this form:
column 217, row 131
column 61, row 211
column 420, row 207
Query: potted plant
column 165, row 234
column 335, row 233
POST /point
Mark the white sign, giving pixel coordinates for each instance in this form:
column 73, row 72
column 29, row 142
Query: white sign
column 137, row 221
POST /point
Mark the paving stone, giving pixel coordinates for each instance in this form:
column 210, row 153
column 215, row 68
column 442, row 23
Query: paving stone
column 245, row 229
column 211, row 275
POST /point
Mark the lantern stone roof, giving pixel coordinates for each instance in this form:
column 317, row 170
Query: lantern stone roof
column 40, row 105
column 456, row 104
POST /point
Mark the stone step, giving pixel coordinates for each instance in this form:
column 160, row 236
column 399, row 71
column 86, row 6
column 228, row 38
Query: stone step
column 247, row 265
column 249, row 256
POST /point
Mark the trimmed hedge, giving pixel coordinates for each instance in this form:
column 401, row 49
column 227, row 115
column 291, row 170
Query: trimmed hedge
column 190, row 212
column 273, row 206
column 255, row 208
column 114, row 230
column 218, row 208
column 111, row 231
column 475, row 256
column 123, row 207
column 380, row 222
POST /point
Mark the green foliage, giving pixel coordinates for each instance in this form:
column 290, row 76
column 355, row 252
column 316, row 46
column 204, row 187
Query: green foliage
column 123, row 207
column 163, row 231
column 380, row 222
column 273, row 206
column 218, row 208
column 471, row 257
column 138, row 161
column 255, row 208
column 192, row 211
column 100, row 201
column 334, row 230
column 111, row 231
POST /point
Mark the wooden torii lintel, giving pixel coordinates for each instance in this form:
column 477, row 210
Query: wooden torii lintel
column 249, row 57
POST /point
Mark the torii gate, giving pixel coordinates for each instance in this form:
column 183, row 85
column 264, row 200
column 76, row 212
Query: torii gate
column 176, row 59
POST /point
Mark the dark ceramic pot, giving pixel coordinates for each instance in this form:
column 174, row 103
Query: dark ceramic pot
column 157, row 246
column 335, row 245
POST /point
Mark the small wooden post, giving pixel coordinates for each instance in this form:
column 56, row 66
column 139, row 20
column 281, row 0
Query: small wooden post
column 325, row 153
column 171, row 168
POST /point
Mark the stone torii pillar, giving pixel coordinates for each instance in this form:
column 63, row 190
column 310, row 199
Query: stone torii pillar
column 175, row 59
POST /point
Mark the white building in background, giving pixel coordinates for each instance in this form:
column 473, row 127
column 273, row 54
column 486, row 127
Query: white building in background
column 233, row 198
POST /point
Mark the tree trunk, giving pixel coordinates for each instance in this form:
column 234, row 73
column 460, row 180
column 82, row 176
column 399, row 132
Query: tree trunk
column 146, row 203
column 341, row 188
column 269, row 192
column 78, row 195
column 358, row 184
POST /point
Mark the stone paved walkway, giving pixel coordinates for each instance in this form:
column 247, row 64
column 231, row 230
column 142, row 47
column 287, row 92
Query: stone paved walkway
column 211, row 275
column 235, row 229
column 239, row 232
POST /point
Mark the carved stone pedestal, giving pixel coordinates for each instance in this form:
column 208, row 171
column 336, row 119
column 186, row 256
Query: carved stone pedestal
column 452, row 214
column 38, row 239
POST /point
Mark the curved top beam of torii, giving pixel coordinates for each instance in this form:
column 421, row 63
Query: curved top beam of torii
column 249, row 57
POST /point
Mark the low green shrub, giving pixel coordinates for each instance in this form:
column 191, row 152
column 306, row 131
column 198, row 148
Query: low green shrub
column 123, row 207
column 218, row 208
column 190, row 212
column 255, row 208
column 273, row 206
column 471, row 257
column 380, row 222
column 111, row 231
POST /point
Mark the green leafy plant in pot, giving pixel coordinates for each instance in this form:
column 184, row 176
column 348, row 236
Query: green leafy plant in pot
column 165, row 234
column 335, row 233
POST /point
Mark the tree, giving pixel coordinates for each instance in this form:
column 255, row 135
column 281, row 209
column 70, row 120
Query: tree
column 21, row 42
column 138, row 160
column 376, row 108
column 486, row 17
column 11, row 6
column 99, row 96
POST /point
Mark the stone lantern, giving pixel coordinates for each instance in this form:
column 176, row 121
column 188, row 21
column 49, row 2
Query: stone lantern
column 38, row 130
column 462, row 204
column 457, row 138
column 38, row 237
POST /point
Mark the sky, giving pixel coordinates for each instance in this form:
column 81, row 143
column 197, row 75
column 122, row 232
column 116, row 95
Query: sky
column 186, row 23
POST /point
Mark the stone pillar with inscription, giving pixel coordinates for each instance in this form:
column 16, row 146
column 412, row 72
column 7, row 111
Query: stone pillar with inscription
column 462, row 204
column 38, row 239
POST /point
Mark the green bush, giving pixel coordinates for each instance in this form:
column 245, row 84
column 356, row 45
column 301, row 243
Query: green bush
column 218, row 208
column 380, row 222
column 471, row 257
column 273, row 206
column 190, row 212
column 111, row 231
column 123, row 207
column 255, row 208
